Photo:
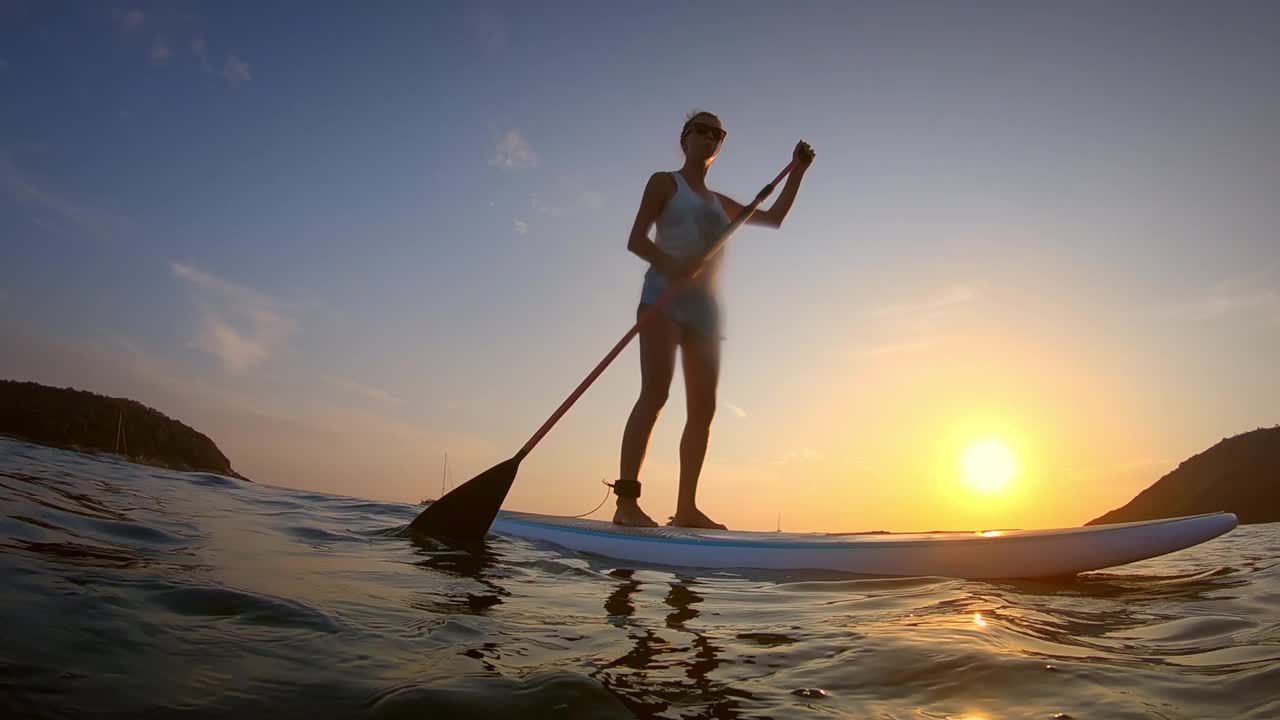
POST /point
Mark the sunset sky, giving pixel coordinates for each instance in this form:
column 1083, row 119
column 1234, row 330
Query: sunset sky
column 344, row 242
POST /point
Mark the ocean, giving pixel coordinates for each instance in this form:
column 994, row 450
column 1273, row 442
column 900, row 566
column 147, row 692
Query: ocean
column 133, row 591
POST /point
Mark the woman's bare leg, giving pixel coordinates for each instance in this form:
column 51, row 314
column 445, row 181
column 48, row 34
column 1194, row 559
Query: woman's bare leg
column 700, row 358
column 658, row 341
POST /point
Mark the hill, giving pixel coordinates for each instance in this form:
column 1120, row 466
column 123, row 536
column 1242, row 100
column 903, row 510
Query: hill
column 1240, row 474
column 80, row 420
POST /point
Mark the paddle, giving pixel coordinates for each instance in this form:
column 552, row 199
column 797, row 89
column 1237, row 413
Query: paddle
column 467, row 511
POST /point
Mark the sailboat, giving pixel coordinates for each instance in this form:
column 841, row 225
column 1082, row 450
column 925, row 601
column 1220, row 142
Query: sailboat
column 444, row 475
column 120, row 438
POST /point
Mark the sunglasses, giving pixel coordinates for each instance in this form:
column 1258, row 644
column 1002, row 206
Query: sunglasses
column 712, row 131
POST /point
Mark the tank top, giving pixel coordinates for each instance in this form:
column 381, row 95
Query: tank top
column 687, row 227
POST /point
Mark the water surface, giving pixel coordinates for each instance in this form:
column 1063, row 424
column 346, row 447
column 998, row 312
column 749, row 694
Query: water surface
column 134, row 591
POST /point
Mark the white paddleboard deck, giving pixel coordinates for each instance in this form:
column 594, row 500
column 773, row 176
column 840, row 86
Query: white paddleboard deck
column 978, row 555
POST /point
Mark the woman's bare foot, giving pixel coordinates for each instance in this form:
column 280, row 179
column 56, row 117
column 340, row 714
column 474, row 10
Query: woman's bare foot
column 695, row 519
column 630, row 514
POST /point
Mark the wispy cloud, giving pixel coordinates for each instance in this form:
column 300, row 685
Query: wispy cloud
column 540, row 206
column 1211, row 307
column 201, row 52
column 513, row 151
column 131, row 19
column 930, row 306
column 736, row 410
column 25, row 191
column 236, row 71
column 160, row 52
column 172, row 377
column 1257, row 291
column 565, row 201
column 270, row 433
column 239, row 326
column 4, row 64
column 521, row 227
column 916, row 319
column 892, row 348
column 361, row 389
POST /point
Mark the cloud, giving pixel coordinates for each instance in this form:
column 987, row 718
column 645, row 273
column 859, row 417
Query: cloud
column 24, row 191
column 521, row 227
column 270, row 434
column 160, row 52
column 131, row 20
column 1212, row 307
column 1253, row 292
column 513, row 151
column 4, row 64
column 930, row 306
column 366, row 391
column 566, row 201
column 736, row 410
column 538, row 205
column 236, row 71
column 917, row 319
column 199, row 49
column 891, row 348
column 237, row 325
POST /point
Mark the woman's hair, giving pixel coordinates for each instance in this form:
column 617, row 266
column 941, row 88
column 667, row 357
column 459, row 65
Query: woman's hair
column 688, row 120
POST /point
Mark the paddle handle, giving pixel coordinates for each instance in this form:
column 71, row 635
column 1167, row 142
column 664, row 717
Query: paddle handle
column 664, row 299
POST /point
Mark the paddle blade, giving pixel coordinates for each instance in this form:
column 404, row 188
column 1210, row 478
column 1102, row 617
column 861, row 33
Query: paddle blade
column 467, row 511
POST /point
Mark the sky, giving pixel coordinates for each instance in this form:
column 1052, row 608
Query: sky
column 345, row 242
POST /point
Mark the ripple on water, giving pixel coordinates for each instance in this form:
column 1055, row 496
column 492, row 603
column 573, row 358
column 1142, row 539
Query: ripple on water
column 81, row 554
column 212, row 480
column 1191, row 630
column 133, row 533
column 248, row 607
column 546, row 695
column 318, row 536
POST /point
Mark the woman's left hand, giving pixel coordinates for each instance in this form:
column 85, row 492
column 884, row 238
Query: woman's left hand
column 803, row 155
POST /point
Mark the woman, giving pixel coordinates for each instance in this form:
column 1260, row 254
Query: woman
column 689, row 219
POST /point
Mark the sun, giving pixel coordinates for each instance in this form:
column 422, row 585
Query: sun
column 989, row 466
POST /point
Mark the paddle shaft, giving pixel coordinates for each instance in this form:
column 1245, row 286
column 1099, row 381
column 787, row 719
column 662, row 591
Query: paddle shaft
column 663, row 300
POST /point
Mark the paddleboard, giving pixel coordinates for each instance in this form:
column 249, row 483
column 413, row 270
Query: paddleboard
column 971, row 555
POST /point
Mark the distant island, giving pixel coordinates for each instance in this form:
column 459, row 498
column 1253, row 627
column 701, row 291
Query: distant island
column 1240, row 474
column 85, row 421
